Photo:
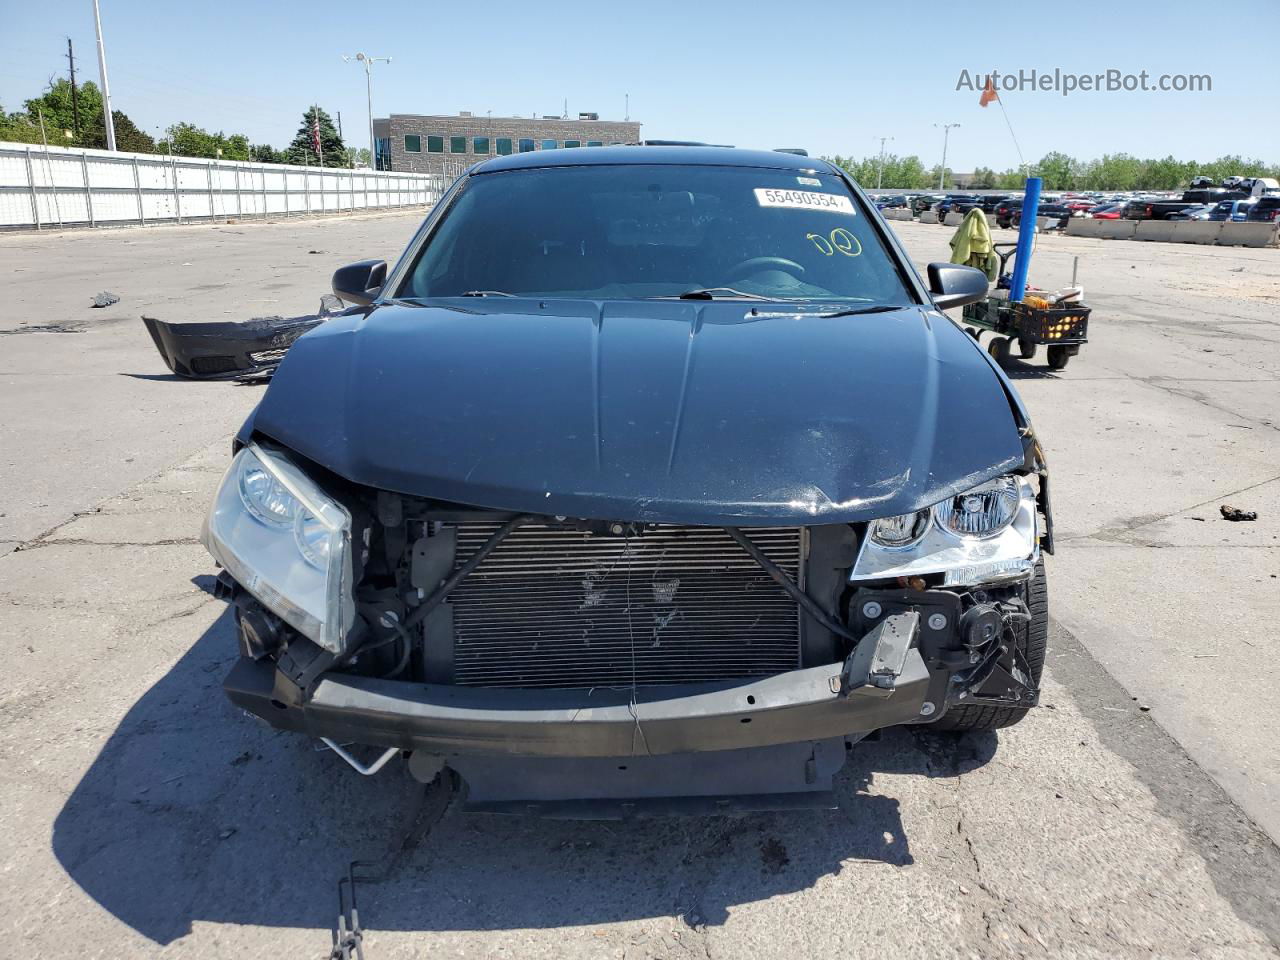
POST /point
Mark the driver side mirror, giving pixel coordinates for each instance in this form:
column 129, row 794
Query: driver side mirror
column 953, row 285
column 360, row 283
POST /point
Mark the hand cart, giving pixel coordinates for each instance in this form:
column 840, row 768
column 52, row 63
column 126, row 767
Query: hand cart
column 1063, row 328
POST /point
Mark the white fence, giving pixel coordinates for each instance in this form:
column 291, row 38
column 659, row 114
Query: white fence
column 58, row 187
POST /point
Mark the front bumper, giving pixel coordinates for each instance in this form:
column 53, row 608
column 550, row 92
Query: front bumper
column 802, row 705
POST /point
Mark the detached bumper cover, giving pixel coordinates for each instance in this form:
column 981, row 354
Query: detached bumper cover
column 809, row 704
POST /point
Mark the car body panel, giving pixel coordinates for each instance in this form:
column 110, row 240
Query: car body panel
column 664, row 411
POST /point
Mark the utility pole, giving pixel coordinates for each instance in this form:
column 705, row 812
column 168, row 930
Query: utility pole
column 106, row 90
column 946, row 132
column 75, row 94
column 880, row 172
column 368, row 62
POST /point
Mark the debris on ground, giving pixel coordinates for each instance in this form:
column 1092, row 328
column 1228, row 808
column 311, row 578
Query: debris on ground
column 1235, row 513
column 105, row 299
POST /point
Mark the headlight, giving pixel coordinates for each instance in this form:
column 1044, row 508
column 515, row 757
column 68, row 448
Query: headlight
column 286, row 542
column 983, row 511
column 900, row 531
column 985, row 535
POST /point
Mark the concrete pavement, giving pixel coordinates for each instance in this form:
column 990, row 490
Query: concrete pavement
column 145, row 817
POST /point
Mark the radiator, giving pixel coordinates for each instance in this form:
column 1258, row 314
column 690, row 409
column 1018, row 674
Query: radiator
column 557, row 607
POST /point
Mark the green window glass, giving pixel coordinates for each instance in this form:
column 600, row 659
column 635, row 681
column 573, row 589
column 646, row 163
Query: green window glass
column 595, row 143
column 573, row 143
column 549, row 144
column 412, row 143
column 435, row 144
column 479, row 144
column 504, row 146
column 457, row 144
column 526, row 145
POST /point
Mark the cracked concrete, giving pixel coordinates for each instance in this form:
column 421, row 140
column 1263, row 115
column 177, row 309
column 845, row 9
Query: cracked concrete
column 145, row 817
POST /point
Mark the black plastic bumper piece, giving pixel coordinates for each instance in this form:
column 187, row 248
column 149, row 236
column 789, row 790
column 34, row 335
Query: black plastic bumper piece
column 223, row 349
column 801, row 705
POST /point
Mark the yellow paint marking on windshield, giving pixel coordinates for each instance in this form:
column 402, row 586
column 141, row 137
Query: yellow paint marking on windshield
column 822, row 243
column 839, row 239
column 845, row 242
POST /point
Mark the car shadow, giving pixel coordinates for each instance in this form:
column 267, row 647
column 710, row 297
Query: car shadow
column 195, row 812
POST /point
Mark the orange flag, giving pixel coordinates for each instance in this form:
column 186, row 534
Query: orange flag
column 988, row 93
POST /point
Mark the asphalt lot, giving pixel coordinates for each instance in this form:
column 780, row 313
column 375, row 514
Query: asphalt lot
column 145, row 817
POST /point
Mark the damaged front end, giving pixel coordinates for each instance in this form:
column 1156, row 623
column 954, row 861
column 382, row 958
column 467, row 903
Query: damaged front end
column 605, row 667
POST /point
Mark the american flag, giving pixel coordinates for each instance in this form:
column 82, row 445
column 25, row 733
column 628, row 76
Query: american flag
column 315, row 132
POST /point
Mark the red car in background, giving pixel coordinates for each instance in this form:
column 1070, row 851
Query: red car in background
column 1106, row 211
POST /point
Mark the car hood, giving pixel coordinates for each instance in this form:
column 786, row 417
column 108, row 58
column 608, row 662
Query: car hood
column 667, row 411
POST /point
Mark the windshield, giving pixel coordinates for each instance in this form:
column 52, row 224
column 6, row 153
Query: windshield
column 641, row 231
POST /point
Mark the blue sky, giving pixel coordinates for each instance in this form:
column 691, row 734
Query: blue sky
column 829, row 77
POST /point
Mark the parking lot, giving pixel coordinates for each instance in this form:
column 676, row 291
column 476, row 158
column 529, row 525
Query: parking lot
column 1135, row 814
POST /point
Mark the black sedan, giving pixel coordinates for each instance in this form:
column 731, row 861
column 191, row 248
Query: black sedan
column 645, row 476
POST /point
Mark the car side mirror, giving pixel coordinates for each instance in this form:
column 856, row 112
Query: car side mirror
column 360, row 283
column 953, row 285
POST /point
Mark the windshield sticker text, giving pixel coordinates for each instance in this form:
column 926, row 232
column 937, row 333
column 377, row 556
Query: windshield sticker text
column 809, row 181
column 838, row 240
column 804, row 200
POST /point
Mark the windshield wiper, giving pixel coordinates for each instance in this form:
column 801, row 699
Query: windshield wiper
column 710, row 293
column 875, row 308
column 486, row 293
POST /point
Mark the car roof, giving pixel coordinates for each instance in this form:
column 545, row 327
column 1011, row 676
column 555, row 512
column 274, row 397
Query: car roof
column 694, row 156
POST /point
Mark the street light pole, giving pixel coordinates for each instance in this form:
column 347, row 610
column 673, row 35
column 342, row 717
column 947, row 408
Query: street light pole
column 368, row 62
column 946, row 132
column 880, row 171
column 106, row 90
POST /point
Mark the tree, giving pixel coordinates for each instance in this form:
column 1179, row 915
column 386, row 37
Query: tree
column 1057, row 170
column 984, row 178
column 302, row 150
column 188, row 140
column 265, row 153
column 128, row 137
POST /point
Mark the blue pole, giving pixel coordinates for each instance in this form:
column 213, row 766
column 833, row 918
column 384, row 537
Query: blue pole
column 1026, row 236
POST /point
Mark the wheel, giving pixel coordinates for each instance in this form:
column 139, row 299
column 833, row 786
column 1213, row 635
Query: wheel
column 1032, row 640
column 1026, row 349
column 1058, row 357
column 999, row 350
column 971, row 331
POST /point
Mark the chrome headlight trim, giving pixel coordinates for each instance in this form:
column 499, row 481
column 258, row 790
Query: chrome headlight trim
column 307, row 584
column 1008, row 554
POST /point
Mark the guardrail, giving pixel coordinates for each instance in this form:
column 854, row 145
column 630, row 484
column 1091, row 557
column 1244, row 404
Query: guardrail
column 58, row 187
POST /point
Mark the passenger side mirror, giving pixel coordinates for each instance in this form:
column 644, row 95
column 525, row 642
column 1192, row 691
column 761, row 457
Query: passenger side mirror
column 360, row 283
column 953, row 285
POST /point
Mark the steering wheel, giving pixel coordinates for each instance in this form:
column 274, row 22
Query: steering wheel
column 758, row 263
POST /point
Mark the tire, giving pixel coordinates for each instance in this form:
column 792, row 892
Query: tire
column 971, row 331
column 1032, row 640
column 999, row 350
column 1058, row 357
column 1026, row 349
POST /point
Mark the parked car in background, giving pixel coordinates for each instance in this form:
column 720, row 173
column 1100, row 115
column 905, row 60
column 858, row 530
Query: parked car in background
column 958, row 203
column 1266, row 210
column 1233, row 210
column 1201, row 181
column 714, row 602
column 1005, row 209
column 989, row 204
column 891, row 203
column 1079, row 205
column 1106, row 211
column 1195, row 213
column 925, row 202
column 1058, row 210
column 1154, row 209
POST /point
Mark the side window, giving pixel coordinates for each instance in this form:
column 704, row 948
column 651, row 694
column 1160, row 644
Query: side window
column 435, row 144
column 526, row 145
column 595, row 143
column 504, row 146
column 573, row 143
column 479, row 144
column 549, row 144
column 457, row 144
column 412, row 143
